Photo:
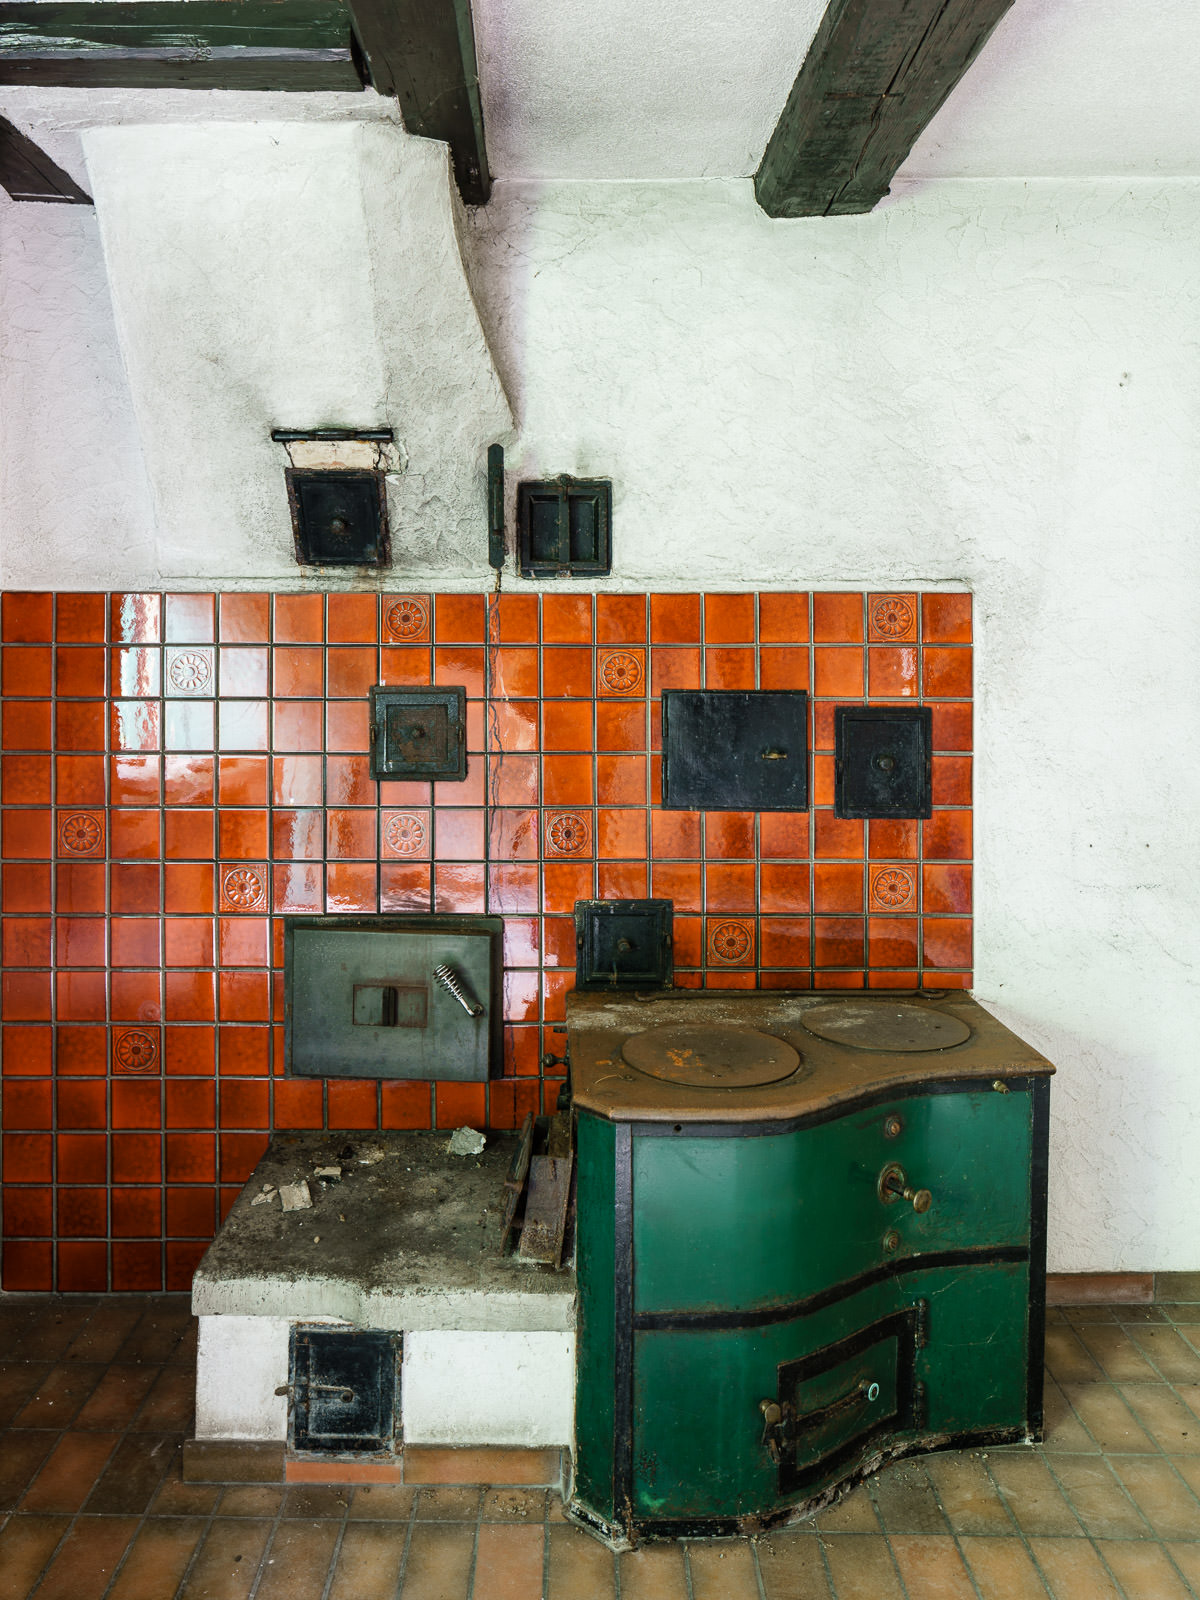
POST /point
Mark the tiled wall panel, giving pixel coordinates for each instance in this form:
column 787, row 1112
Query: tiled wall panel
column 180, row 771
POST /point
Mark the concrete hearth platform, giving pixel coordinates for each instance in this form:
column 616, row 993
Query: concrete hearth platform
column 408, row 1239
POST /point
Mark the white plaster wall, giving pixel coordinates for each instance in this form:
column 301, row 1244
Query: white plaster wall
column 488, row 1388
column 240, row 1362
column 993, row 385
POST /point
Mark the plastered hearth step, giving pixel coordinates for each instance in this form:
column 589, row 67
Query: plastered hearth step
column 407, row 1239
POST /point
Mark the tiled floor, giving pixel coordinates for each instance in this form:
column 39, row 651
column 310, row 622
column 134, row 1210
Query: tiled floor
column 95, row 1398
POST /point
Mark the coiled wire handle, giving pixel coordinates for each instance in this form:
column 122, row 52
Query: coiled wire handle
column 449, row 981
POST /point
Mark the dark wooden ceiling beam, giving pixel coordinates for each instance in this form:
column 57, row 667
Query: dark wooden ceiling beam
column 875, row 74
column 27, row 172
column 423, row 53
column 184, row 44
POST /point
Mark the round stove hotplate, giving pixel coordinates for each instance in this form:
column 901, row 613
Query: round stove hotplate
column 883, row 1027
column 713, row 1057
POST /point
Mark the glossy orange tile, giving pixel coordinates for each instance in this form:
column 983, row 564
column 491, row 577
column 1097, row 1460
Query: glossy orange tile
column 185, row 780
column 620, row 725
column 621, row 780
column 678, row 881
column 79, row 942
column 188, row 941
column 511, row 888
column 782, row 667
column 730, row 941
column 188, row 887
column 79, row 886
column 351, row 1104
column 947, row 672
column 351, row 886
column 189, row 835
column 567, row 780
column 783, row 618
column 564, row 882
column 350, row 673
column 822, row 780
column 837, row 887
column 892, row 671
column 80, row 672
column 27, row 780
column 458, row 834
column 28, row 1105
column 729, row 835
column 26, row 834
column 513, row 779
column 566, row 673
column 26, row 995
column 352, row 618
column 514, row 672
column 892, row 618
column 133, row 835
column 726, row 667
column 134, row 725
column 189, row 725
column 189, row 997
column 407, row 618
column 786, row 941
column 297, row 780
column 838, row 672
column 189, row 618
column 26, row 942
column 946, row 836
column 80, row 1158
column 675, row 618
column 837, row 618
column 136, row 672
column 298, row 1104
column 299, row 618
column 674, row 669
column 461, row 665
column 459, row 619
column 28, row 670
column 946, row 618
column 297, row 886
column 566, row 725
column 245, row 618
column 513, row 618
column 946, row 888
column 946, row 941
column 783, row 834
column 839, row 942
column 784, row 887
column 134, row 887
column 459, row 1105
column 80, row 618
column 135, row 618
column 347, row 726
column 892, row 888
column 135, row 997
column 26, row 725
column 79, row 780
column 622, row 880
column 952, row 780
column 350, row 835
column 621, row 834
column 892, row 941
column 135, row 941
column 729, row 888
column 620, row 618
column 952, row 727
column 837, row 837
column 566, row 618
column 892, row 839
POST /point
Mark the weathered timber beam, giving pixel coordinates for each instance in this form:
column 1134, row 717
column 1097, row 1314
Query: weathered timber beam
column 423, row 52
column 182, row 44
column 874, row 75
column 27, row 172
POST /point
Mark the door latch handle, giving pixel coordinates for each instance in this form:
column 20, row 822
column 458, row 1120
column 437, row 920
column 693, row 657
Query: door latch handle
column 893, row 1185
column 346, row 1395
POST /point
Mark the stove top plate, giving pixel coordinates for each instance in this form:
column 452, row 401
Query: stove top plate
column 712, row 1057
column 872, row 1026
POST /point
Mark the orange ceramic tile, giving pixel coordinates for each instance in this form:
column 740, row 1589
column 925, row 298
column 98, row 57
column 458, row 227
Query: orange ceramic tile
column 135, row 1104
column 459, row 618
column 729, row 941
column 729, row 888
column 79, row 780
column 783, row 618
column 837, row 837
column 514, row 834
column 26, row 780
column 137, row 1267
column 566, row 725
column 946, row 941
column 785, row 942
column 135, row 835
column 26, row 995
column 136, row 1157
column 27, row 1266
column 189, row 835
column 135, row 618
column 188, row 941
column 513, row 779
column 675, row 618
column 409, row 665
column 28, row 670
column 463, row 666
column 79, row 886
column 189, row 725
column 621, row 780
column 514, row 672
column 729, row 619
column 622, row 880
column 458, row 835
column 298, row 1104
column 298, row 673
column 299, row 619
column 892, row 618
column 837, row 618
column 946, row 618
column 244, row 1104
column 27, row 1106
column 952, row 727
column 243, row 997
column 459, row 1105
column 352, row 1104
column 620, row 618
column 80, row 618
column 350, row 673
column 350, row 835
column 677, row 881
column 348, row 782
column 946, row 888
column 136, row 672
column 245, row 618
column 946, row 836
column 892, row 671
column 891, row 839
column 674, row 669
column 564, row 882
column 513, row 724
column 242, row 886
column 404, row 1105
column 567, row 781
column 27, row 1158
column 189, row 618
column 567, row 833
column 729, row 835
column 347, row 725
column 244, row 1051
column 783, row 668
column 462, row 886
column 404, row 835
column 133, row 725
column 239, row 1154
column 892, row 941
column 675, row 835
column 783, row 834
column 80, row 1158
column 189, row 997
column 620, row 725
column 558, row 942
column 621, row 834
column 135, row 941
column 298, row 886
column 567, row 618
column 838, row 672
column 79, row 942
column 521, row 940
column 134, row 887
column 407, row 618
column 952, row 780
column 837, row 887
column 823, row 781
column 728, row 668
column 188, row 888
column 784, row 887
column 512, row 618
column 468, row 791
column 824, row 721
column 555, row 988
column 27, row 1050
column 838, row 942
column 190, row 1212
column 511, row 887
column 244, row 780
column 243, row 941
column 352, row 618
column 135, row 997
column 26, row 725
column 186, row 780
column 27, row 834
column 566, row 672
column 83, row 1269
column 242, row 673
column 27, row 1213
column 947, row 671
column 77, row 671
column 892, row 888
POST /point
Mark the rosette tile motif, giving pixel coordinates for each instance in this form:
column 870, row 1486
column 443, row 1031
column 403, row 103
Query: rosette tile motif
column 892, row 617
column 243, row 888
column 893, row 889
column 731, row 944
column 621, row 672
column 405, row 833
column 568, row 833
column 135, row 1051
column 189, row 672
column 81, row 834
column 407, row 619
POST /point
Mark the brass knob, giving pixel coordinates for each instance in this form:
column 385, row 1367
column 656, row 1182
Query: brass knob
column 893, row 1185
column 772, row 1415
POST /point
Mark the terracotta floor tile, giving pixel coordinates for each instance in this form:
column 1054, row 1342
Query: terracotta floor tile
column 906, row 1501
column 1165, row 1417
column 368, row 1563
column 656, row 1572
column 1067, row 1358
column 514, row 1505
column 18, row 1380
column 228, row 1562
column 26, row 1545
column 1036, row 1502
column 89, row 1556
column 1187, row 1558
column 53, row 1331
column 862, row 1567
column 1002, row 1569
column 68, row 1476
column 1107, row 1418
column 117, row 1398
column 185, row 1499
column 317, row 1500
column 1188, row 1468
column 105, row 1331
column 1174, row 1357
column 171, row 1403
column 1159, row 1492
column 1117, row 1354
column 1098, row 1497
column 439, row 1562
column 1143, row 1570
column 448, row 1505
column 1073, row 1571
column 59, row 1395
column 1062, row 1429
column 969, row 1498
column 791, row 1566
column 854, row 1513
column 21, row 1455
column 932, row 1568
column 297, row 1563
column 391, row 1502
column 251, row 1500
column 722, row 1569
column 509, row 1560
column 160, row 1328
column 130, row 1481
column 158, row 1559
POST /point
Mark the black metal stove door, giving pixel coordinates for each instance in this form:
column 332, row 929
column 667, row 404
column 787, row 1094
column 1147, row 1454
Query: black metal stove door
column 344, row 1389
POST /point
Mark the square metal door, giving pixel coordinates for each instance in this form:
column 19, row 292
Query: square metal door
column 345, row 1390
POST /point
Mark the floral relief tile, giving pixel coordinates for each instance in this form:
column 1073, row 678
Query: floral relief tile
column 81, row 833
column 730, row 942
column 243, row 886
column 891, row 618
column 136, row 1051
column 189, row 672
column 406, row 618
column 621, row 672
column 893, row 888
column 404, row 835
column 568, row 833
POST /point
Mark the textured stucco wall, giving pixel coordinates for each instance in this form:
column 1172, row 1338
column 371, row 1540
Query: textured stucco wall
column 991, row 385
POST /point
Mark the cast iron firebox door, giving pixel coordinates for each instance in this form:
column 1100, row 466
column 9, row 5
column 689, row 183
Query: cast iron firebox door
column 344, row 1391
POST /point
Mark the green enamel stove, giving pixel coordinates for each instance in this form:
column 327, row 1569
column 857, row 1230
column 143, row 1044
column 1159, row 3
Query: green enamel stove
column 811, row 1237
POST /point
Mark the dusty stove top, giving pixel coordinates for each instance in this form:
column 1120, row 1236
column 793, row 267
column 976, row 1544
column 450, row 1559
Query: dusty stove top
column 694, row 1055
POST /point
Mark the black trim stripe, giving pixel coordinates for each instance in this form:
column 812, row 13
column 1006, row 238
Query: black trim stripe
column 769, row 1316
column 623, row 1324
column 1038, row 1175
